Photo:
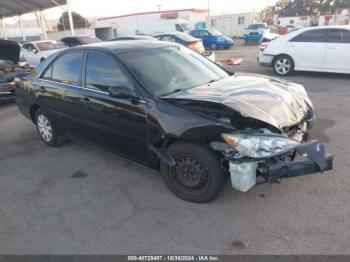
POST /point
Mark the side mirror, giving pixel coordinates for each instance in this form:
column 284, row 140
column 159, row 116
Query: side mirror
column 35, row 51
column 120, row 91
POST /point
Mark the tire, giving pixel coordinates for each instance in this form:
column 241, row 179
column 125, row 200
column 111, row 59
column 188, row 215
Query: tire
column 47, row 130
column 213, row 46
column 197, row 176
column 283, row 65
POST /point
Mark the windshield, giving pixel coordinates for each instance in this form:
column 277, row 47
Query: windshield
column 50, row 45
column 256, row 26
column 185, row 27
column 170, row 69
column 90, row 40
column 215, row 33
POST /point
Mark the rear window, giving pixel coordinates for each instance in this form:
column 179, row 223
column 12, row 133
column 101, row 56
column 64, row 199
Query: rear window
column 256, row 26
column 90, row 40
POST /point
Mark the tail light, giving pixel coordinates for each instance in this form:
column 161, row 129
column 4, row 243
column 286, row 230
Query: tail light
column 197, row 46
column 263, row 46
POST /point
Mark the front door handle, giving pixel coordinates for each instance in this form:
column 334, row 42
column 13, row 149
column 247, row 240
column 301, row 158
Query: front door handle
column 332, row 47
column 85, row 99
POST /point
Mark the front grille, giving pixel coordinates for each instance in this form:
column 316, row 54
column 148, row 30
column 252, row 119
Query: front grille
column 5, row 87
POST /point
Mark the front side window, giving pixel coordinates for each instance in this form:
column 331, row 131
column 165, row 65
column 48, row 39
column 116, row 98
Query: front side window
column 313, row 36
column 66, row 69
column 340, row 36
column 103, row 71
column 172, row 68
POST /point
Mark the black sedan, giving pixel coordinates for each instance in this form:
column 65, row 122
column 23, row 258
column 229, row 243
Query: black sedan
column 71, row 41
column 167, row 107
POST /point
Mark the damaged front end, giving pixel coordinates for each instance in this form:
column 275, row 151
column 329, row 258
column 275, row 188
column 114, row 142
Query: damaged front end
column 260, row 153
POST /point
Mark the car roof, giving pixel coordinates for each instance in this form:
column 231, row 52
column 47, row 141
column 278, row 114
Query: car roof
column 78, row 36
column 325, row 27
column 39, row 41
column 119, row 47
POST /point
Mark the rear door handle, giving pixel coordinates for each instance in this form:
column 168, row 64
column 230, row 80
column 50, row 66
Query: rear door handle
column 332, row 47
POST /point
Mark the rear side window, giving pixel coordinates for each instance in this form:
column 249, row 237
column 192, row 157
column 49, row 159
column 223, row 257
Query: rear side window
column 203, row 33
column 338, row 36
column 103, row 71
column 313, row 36
column 66, row 69
column 179, row 28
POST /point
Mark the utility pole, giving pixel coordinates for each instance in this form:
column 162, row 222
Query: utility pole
column 159, row 6
column 208, row 9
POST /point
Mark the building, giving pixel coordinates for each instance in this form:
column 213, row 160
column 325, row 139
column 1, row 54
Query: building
column 231, row 25
column 148, row 22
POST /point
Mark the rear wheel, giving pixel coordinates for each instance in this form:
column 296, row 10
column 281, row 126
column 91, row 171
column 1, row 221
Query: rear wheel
column 283, row 65
column 197, row 175
column 46, row 129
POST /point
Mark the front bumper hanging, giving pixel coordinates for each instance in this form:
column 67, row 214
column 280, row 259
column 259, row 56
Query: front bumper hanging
column 318, row 161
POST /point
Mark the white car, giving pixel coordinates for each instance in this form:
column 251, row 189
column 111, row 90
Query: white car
column 319, row 49
column 37, row 51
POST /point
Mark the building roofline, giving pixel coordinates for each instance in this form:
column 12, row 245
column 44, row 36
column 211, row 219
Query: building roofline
column 154, row 12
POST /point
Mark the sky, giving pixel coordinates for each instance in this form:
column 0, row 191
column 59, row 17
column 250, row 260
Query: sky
column 103, row 8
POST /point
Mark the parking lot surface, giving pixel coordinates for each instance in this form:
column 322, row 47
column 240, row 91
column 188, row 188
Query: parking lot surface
column 79, row 200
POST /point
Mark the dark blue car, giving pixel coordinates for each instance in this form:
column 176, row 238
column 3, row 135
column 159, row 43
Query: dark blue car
column 212, row 39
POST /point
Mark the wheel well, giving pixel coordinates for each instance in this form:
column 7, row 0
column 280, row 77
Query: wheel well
column 32, row 111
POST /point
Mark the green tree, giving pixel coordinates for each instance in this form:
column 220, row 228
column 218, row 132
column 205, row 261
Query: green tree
column 78, row 21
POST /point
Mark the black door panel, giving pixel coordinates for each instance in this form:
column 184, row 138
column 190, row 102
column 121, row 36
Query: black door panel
column 115, row 124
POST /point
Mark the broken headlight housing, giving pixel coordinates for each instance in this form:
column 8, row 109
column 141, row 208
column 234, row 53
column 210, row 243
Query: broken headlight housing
column 260, row 145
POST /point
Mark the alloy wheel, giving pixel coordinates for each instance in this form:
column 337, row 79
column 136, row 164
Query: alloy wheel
column 283, row 66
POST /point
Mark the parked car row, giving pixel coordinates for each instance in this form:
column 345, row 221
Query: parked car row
column 37, row 51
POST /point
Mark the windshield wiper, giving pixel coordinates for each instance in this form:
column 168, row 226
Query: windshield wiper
column 174, row 91
column 213, row 80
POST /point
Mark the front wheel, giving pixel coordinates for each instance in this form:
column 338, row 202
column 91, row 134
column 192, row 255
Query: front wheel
column 283, row 65
column 197, row 176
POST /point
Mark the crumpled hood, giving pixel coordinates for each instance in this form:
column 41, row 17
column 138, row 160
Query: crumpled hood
column 273, row 101
column 9, row 50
